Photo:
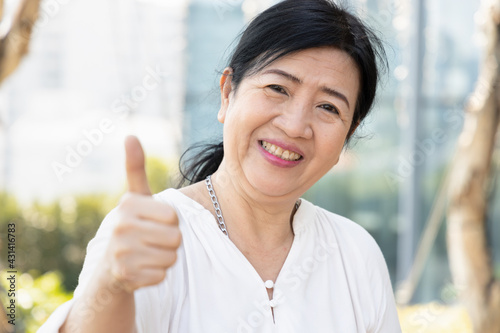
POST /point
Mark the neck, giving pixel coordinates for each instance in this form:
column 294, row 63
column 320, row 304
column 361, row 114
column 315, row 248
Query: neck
column 251, row 217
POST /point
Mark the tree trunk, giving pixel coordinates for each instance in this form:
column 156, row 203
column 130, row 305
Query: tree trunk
column 13, row 47
column 14, row 44
column 468, row 248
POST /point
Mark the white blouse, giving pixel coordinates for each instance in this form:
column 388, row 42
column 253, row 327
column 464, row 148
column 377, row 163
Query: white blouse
column 334, row 279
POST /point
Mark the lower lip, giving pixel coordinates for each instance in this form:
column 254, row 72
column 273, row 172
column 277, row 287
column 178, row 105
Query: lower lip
column 276, row 161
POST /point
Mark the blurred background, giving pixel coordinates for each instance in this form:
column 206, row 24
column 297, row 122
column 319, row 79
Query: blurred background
column 99, row 70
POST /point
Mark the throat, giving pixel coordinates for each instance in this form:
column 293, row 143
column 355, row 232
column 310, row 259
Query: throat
column 267, row 261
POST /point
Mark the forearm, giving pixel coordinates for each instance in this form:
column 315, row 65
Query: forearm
column 103, row 307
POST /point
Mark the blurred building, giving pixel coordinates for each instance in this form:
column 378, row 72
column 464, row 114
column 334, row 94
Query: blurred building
column 212, row 28
column 95, row 59
column 92, row 64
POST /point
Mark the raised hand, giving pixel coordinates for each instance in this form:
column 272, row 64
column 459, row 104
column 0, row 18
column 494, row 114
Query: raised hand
column 144, row 243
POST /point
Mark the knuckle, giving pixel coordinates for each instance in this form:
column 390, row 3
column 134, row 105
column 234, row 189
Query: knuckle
column 172, row 258
column 127, row 201
column 172, row 217
column 123, row 227
column 120, row 228
column 161, row 275
column 170, row 214
column 153, row 277
column 121, row 253
column 176, row 237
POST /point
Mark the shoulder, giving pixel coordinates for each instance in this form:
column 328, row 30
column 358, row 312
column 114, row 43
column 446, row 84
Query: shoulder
column 365, row 267
column 169, row 195
column 363, row 260
column 193, row 216
column 349, row 234
column 178, row 200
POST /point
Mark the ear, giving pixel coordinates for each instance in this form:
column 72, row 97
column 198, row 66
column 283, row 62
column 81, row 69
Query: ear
column 225, row 90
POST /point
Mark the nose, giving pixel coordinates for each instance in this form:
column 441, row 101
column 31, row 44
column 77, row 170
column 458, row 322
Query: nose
column 295, row 120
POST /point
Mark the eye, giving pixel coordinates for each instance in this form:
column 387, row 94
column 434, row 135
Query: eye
column 329, row 108
column 277, row 88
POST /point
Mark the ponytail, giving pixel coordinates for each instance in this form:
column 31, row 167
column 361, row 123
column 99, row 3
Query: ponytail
column 195, row 166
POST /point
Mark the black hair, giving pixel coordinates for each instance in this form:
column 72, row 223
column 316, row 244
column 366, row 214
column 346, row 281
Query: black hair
column 287, row 27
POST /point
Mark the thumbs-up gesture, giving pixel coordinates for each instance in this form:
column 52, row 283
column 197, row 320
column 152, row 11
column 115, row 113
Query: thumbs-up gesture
column 145, row 241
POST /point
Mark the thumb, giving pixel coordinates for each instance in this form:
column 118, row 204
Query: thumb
column 136, row 172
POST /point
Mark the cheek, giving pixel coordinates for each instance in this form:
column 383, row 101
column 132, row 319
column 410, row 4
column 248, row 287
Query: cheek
column 239, row 126
column 331, row 143
column 250, row 113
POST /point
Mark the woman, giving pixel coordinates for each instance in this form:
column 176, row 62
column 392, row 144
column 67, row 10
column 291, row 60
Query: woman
column 253, row 256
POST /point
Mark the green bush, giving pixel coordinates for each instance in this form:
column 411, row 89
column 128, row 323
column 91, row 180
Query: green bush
column 51, row 241
column 37, row 296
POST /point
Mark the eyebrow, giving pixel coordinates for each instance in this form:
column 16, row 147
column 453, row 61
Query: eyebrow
column 329, row 91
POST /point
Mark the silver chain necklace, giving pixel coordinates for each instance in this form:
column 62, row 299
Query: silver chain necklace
column 218, row 211
column 215, row 202
column 269, row 284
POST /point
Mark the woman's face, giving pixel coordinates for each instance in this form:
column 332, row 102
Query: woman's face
column 286, row 125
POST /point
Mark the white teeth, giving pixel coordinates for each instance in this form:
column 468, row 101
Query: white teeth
column 280, row 152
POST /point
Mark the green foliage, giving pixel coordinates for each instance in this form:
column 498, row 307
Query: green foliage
column 37, row 296
column 159, row 174
column 51, row 240
column 53, row 237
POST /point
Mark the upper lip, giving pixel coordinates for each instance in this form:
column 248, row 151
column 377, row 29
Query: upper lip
column 285, row 146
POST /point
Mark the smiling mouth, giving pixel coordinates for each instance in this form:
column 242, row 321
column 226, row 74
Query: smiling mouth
column 286, row 155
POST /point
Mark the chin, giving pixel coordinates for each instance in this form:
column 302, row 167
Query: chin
column 273, row 187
